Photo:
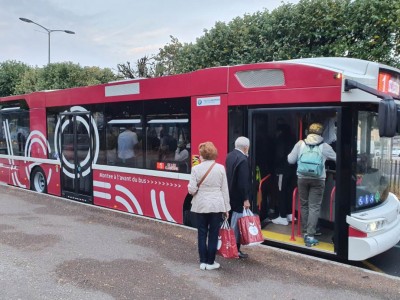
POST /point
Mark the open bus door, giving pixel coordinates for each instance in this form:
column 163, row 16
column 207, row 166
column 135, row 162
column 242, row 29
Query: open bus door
column 76, row 156
column 273, row 133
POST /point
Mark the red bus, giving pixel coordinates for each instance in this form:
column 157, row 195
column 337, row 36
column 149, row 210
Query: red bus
column 73, row 143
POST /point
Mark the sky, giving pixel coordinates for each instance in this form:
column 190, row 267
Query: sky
column 110, row 32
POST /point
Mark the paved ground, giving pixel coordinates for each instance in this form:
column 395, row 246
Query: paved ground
column 57, row 249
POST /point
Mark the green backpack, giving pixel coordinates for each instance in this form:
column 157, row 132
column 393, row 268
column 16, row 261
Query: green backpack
column 311, row 161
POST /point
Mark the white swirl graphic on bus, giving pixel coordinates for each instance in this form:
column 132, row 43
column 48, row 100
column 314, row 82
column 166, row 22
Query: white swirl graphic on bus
column 34, row 137
column 84, row 166
column 128, row 200
column 163, row 206
column 37, row 137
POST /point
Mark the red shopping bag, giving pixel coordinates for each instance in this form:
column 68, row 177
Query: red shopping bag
column 227, row 242
column 250, row 229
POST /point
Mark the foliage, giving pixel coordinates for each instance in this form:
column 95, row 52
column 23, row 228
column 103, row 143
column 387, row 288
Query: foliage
column 10, row 73
column 142, row 67
column 67, row 74
column 142, row 70
column 126, row 71
column 27, row 82
column 18, row 78
column 365, row 29
column 164, row 62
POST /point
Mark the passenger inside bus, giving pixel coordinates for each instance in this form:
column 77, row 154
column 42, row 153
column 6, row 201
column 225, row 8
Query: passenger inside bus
column 181, row 153
column 284, row 173
column 153, row 142
column 126, row 143
column 329, row 133
column 168, row 145
column 111, row 145
column 182, row 156
column 311, row 185
column 21, row 137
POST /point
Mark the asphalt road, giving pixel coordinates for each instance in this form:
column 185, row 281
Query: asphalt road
column 58, row 249
column 387, row 262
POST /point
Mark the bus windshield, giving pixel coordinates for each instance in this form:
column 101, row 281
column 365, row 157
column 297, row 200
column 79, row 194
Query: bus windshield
column 374, row 163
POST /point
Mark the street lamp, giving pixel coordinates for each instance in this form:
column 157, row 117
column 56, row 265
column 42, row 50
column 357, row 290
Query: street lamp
column 49, row 31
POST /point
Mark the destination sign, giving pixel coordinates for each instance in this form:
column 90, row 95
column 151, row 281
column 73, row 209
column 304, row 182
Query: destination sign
column 389, row 82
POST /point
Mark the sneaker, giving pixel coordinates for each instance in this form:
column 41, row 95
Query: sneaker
column 290, row 218
column 214, row 266
column 310, row 241
column 280, row 221
column 243, row 255
column 203, row 266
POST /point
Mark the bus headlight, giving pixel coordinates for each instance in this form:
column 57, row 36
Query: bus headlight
column 375, row 225
column 365, row 225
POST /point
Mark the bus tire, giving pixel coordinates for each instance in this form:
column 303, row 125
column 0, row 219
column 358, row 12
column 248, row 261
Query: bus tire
column 38, row 180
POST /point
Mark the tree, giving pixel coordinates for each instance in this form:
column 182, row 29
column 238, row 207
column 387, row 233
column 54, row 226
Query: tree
column 19, row 78
column 143, row 68
column 126, row 71
column 27, row 82
column 67, row 75
column 377, row 39
column 96, row 75
column 10, row 73
column 164, row 63
column 365, row 29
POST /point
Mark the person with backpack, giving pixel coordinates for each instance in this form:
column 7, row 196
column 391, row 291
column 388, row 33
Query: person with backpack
column 310, row 155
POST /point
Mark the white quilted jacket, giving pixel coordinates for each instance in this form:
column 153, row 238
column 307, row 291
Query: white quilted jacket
column 213, row 194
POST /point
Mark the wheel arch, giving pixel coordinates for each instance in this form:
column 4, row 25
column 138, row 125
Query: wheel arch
column 34, row 171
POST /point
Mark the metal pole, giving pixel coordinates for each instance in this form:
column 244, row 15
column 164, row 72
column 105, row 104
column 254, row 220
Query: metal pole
column 49, row 48
column 49, row 31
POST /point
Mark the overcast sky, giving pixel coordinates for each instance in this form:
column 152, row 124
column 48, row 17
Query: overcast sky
column 109, row 32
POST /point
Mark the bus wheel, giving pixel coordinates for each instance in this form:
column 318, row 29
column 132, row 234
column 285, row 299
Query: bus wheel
column 38, row 181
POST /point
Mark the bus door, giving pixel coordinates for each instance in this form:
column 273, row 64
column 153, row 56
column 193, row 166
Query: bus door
column 272, row 137
column 273, row 134
column 76, row 156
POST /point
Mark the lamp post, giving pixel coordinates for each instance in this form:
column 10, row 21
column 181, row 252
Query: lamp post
column 49, row 31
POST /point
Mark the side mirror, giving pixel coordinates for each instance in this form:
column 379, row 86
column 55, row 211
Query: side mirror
column 387, row 118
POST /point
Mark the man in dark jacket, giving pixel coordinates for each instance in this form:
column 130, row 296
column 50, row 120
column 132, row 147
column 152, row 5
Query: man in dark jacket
column 238, row 174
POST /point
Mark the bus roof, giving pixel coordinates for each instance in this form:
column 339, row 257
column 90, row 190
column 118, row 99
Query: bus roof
column 283, row 75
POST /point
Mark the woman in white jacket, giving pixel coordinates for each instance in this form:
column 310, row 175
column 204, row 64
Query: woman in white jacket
column 209, row 187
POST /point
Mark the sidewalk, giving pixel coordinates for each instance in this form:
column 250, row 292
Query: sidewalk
column 52, row 248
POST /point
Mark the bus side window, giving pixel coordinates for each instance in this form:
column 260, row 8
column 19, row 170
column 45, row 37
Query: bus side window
column 167, row 129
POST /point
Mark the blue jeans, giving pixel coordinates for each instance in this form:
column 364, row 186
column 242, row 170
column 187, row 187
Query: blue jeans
column 208, row 224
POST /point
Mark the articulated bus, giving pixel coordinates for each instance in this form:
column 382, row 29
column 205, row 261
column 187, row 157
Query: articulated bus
column 68, row 143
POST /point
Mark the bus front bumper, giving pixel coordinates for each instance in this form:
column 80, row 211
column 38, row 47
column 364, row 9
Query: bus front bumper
column 366, row 247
